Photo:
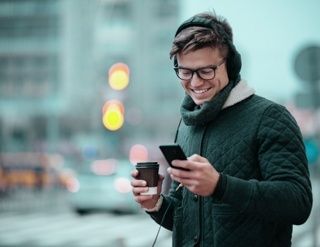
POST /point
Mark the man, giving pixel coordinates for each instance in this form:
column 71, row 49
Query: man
column 247, row 181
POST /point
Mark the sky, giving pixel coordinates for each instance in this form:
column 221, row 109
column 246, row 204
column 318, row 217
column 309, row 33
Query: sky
column 268, row 34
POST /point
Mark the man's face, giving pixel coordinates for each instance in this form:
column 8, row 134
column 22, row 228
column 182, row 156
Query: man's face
column 201, row 90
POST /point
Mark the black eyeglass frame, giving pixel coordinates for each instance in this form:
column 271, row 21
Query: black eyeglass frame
column 213, row 67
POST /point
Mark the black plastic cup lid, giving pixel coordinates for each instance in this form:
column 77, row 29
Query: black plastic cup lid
column 147, row 165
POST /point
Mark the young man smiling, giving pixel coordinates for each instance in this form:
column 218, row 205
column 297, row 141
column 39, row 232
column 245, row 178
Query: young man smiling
column 203, row 73
column 247, row 181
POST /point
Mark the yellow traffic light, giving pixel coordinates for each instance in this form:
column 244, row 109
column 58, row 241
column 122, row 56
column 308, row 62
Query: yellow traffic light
column 119, row 76
column 113, row 115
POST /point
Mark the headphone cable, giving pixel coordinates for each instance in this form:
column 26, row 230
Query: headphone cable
column 155, row 240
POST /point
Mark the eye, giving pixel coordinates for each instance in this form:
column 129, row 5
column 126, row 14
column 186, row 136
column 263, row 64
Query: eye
column 206, row 71
column 185, row 72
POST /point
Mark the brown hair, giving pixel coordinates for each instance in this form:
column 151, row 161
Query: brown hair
column 194, row 37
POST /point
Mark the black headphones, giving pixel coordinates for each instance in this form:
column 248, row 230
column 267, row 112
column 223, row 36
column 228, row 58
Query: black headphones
column 234, row 57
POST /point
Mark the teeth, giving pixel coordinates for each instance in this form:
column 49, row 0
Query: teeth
column 200, row 91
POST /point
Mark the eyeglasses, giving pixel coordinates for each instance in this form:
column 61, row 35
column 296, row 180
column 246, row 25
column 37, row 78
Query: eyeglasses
column 205, row 73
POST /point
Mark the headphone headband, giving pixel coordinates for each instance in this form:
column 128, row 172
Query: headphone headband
column 234, row 58
column 195, row 21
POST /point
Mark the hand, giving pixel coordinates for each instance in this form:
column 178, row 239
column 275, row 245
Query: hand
column 139, row 186
column 202, row 177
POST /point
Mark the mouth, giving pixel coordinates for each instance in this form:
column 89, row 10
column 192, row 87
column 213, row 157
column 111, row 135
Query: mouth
column 200, row 91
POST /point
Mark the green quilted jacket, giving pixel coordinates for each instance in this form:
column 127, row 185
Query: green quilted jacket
column 264, row 188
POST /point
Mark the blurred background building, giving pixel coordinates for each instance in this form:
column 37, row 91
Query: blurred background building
column 54, row 62
column 30, row 71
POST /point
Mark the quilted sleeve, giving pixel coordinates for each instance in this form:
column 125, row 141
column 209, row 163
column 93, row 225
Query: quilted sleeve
column 284, row 192
column 166, row 213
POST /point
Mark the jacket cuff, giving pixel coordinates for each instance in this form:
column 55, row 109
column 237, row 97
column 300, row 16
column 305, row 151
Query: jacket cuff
column 220, row 188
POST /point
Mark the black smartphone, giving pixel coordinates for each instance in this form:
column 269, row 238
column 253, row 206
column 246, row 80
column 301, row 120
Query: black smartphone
column 173, row 152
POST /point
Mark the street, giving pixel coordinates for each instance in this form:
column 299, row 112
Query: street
column 58, row 226
column 46, row 220
column 67, row 229
column 36, row 219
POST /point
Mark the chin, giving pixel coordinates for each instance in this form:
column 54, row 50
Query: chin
column 199, row 102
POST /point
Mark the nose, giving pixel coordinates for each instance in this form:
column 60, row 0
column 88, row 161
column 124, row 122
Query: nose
column 196, row 80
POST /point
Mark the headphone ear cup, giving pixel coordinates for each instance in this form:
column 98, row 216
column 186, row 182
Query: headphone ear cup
column 233, row 62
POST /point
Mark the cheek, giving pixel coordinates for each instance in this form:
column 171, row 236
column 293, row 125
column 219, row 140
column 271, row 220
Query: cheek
column 223, row 81
column 223, row 84
column 217, row 84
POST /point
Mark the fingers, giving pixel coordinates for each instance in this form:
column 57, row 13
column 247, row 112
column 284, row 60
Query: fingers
column 140, row 186
column 191, row 163
column 134, row 173
column 197, row 158
column 181, row 164
column 184, row 181
column 198, row 168
column 178, row 172
column 181, row 176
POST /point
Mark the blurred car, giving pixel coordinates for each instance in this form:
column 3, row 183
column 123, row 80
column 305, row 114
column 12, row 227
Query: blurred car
column 103, row 186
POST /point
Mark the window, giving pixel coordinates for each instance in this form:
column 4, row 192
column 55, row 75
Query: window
column 28, row 75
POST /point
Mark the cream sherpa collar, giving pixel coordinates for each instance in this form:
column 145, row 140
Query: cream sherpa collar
column 240, row 92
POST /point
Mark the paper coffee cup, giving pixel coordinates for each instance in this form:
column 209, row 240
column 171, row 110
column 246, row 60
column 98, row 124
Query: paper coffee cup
column 149, row 171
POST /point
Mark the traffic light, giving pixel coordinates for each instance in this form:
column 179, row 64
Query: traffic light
column 119, row 76
column 113, row 110
column 113, row 115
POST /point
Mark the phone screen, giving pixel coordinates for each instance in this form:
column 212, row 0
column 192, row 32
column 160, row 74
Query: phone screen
column 173, row 152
